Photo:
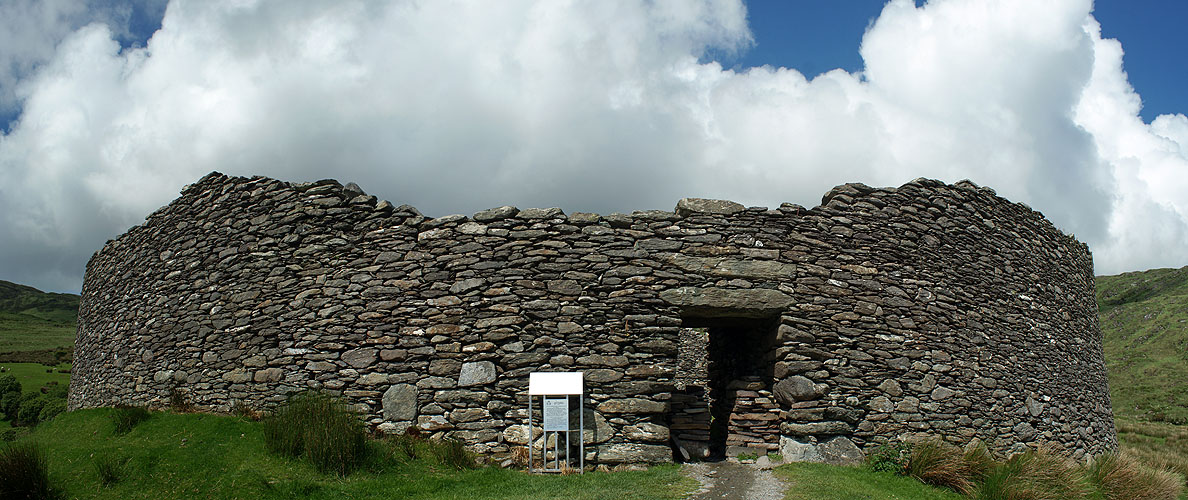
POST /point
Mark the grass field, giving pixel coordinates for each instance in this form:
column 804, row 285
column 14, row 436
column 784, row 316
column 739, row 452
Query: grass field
column 825, row 482
column 33, row 320
column 24, row 332
column 211, row 456
column 1144, row 322
column 33, row 376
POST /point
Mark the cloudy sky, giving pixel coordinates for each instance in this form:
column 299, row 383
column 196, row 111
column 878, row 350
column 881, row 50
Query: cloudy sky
column 109, row 107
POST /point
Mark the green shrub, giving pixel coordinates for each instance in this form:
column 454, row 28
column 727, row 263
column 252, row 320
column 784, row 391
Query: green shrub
column 125, row 417
column 319, row 427
column 1119, row 477
column 52, row 408
column 889, row 457
column 9, row 383
column 10, row 404
column 30, row 410
column 940, row 464
column 23, row 473
column 109, row 468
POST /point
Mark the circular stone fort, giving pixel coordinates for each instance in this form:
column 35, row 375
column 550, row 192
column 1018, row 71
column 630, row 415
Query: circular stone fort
column 715, row 329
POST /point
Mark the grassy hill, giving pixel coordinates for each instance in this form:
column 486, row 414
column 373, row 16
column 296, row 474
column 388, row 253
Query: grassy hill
column 32, row 320
column 1144, row 320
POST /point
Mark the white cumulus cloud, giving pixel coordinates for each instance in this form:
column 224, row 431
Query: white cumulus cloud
column 595, row 106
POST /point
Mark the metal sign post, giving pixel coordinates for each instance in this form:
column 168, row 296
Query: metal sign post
column 555, row 390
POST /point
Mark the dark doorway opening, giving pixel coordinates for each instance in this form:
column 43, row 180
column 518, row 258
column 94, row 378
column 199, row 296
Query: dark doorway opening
column 723, row 405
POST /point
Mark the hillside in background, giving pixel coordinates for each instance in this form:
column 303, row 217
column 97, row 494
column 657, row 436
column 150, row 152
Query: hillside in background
column 33, row 320
column 1144, row 321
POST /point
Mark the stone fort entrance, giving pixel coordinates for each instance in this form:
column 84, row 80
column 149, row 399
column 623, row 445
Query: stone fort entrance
column 723, row 405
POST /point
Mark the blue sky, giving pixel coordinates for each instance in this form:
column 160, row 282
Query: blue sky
column 107, row 110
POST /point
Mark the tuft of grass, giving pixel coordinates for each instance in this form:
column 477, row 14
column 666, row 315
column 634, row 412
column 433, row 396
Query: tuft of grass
column 242, row 410
column 453, row 454
column 109, row 469
column 125, row 417
column 938, row 463
column 405, row 444
column 1119, row 477
column 23, row 473
column 1033, row 475
column 979, row 461
column 178, row 402
column 321, row 428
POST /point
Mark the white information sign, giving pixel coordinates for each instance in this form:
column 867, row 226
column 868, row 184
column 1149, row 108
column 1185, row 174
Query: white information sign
column 556, row 414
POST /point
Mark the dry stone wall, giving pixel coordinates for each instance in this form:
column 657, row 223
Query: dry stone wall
column 880, row 314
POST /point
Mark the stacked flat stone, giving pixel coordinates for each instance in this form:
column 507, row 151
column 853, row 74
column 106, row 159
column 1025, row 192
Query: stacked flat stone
column 924, row 309
column 689, row 423
column 753, row 423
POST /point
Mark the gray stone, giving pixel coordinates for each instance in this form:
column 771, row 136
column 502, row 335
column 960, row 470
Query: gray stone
column 690, row 206
column 840, row 451
column 630, row 453
column 597, row 430
column 371, row 379
column 269, row 375
column 1024, row 432
column 360, row 358
column 541, row 213
column 891, row 387
column 647, row 432
column 400, row 402
column 734, row 268
column 467, row 285
column 237, row 376
column 603, row 375
column 881, row 404
column 518, row 434
column 1033, row 407
column 831, row 428
column 794, row 450
column 632, row 405
column 942, row 393
column 796, row 388
column 565, row 287
column 476, row 373
column 710, row 302
column 495, row 214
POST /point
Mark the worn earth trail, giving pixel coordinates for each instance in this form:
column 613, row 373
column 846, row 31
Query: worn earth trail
column 727, row 480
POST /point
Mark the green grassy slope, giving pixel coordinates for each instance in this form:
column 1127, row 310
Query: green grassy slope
column 34, row 376
column 1144, row 321
column 33, row 320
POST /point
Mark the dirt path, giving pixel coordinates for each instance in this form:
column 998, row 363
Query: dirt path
column 733, row 481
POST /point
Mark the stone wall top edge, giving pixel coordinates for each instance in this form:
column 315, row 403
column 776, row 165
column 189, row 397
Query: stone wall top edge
column 863, row 189
column 853, row 192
